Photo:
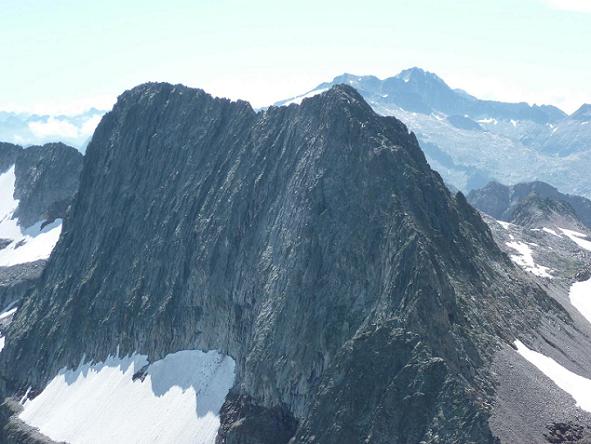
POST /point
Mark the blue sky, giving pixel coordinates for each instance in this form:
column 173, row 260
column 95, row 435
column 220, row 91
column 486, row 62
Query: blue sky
column 66, row 55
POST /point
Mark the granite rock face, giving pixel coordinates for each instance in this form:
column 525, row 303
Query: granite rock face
column 360, row 300
column 15, row 281
column 47, row 179
column 8, row 155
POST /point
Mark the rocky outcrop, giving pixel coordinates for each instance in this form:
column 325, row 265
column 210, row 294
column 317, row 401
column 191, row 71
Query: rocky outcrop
column 360, row 300
column 534, row 211
column 508, row 202
column 8, row 155
column 15, row 281
column 44, row 182
column 15, row 431
column 47, row 179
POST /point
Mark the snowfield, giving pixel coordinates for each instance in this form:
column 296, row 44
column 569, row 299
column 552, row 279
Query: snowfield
column 575, row 385
column 298, row 100
column 174, row 400
column 578, row 238
column 550, row 231
column 28, row 245
column 580, row 297
column 8, row 226
column 503, row 224
column 6, row 318
column 525, row 259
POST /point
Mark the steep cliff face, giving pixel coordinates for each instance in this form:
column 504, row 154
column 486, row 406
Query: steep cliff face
column 47, row 179
column 37, row 184
column 311, row 243
column 8, row 155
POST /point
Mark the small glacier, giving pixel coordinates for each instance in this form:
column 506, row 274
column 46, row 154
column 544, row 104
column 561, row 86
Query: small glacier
column 129, row 400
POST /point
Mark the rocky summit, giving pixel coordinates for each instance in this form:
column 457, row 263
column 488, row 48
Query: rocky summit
column 311, row 243
column 536, row 201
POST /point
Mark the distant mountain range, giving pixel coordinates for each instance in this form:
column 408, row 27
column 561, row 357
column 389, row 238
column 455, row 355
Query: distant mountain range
column 34, row 129
column 472, row 141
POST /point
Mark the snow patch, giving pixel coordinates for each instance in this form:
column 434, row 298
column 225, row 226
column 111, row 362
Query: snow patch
column 33, row 244
column 6, row 318
column 489, row 121
column 8, row 204
column 550, row 231
column 505, row 225
column 28, row 245
column 298, row 100
column 575, row 385
column 577, row 238
column 176, row 399
column 580, row 297
column 8, row 313
column 526, row 261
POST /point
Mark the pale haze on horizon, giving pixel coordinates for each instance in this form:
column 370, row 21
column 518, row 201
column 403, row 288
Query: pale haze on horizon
column 65, row 56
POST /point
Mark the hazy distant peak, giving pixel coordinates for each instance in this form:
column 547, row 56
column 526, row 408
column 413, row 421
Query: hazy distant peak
column 419, row 75
column 583, row 113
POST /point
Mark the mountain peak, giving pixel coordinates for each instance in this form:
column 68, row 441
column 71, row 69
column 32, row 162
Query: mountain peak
column 347, row 78
column 310, row 204
column 583, row 113
column 417, row 74
column 359, row 82
column 343, row 94
column 502, row 202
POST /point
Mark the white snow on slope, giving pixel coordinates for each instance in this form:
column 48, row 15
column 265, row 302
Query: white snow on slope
column 551, row 231
column 178, row 401
column 8, row 313
column 298, row 100
column 6, row 317
column 577, row 238
column 490, row 121
column 37, row 244
column 580, row 297
column 28, row 245
column 8, row 226
column 526, row 261
column 505, row 225
column 575, row 385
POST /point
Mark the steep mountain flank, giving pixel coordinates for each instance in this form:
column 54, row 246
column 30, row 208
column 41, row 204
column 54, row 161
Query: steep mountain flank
column 37, row 184
column 45, row 180
column 8, row 155
column 312, row 243
column 509, row 203
column 534, row 211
